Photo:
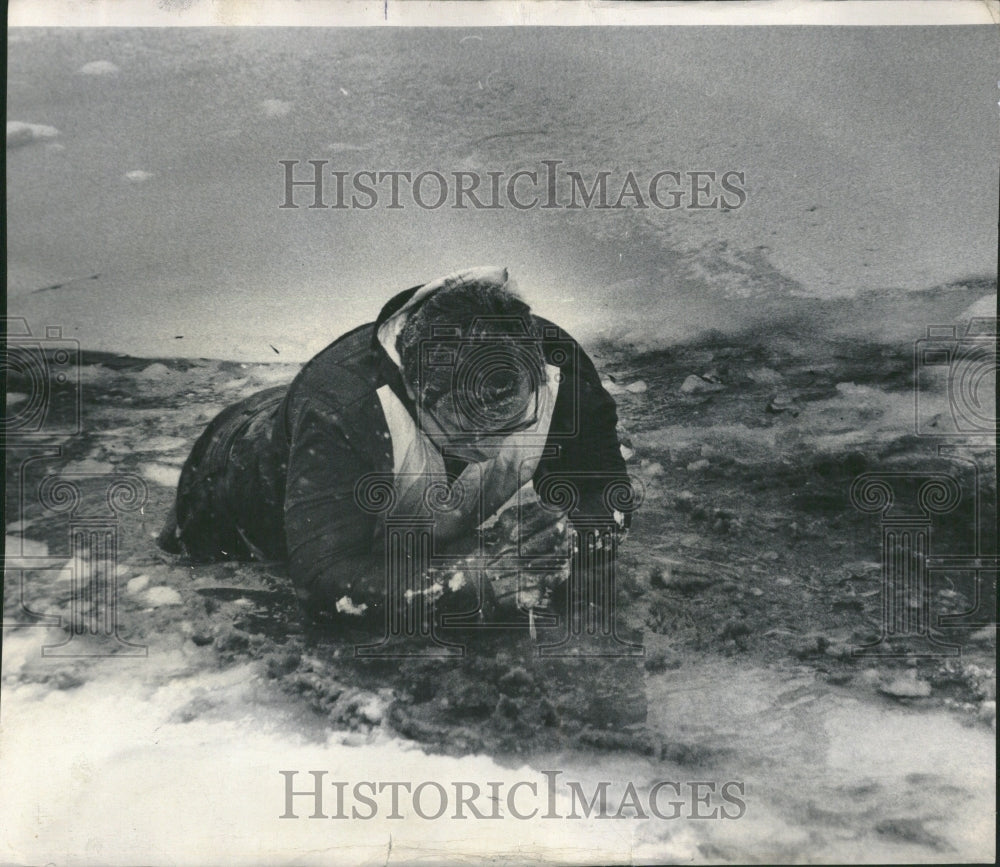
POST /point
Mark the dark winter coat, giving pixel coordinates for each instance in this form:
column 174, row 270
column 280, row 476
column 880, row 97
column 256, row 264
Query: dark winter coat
column 274, row 476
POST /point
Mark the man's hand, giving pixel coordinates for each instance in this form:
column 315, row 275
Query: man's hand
column 501, row 477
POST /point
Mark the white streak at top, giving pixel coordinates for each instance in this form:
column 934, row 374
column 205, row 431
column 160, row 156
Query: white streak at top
column 490, row 13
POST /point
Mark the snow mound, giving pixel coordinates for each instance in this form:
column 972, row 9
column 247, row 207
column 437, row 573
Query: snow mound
column 137, row 584
column 275, row 107
column 87, row 467
column 164, row 444
column 985, row 307
column 155, row 371
column 21, row 551
column 20, row 133
column 98, row 67
column 158, row 596
column 161, row 474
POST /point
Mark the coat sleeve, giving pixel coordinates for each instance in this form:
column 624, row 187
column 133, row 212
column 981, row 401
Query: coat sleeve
column 328, row 535
column 584, row 450
column 337, row 563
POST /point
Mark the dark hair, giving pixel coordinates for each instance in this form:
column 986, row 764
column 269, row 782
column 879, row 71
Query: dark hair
column 471, row 314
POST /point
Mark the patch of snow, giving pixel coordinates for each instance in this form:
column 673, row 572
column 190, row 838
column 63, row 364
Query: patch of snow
column 161, row 474
column 699, row 385
column 18, row 648
column 137, row 584
column 20, row 133
column 988, row 713
column 907, row 687
column 99, row 67
column 92, row 374
column 138, row 176
column 984, row 307
column 145, row 748
column 764, row 376
column 163, row 444
column 857, row 392
column 275, row 374
column 156, row 370
column 346, row 606
column 275, row 107
column 339, row 147
column 372, row 710
column 158, row 596
column 115, row 432
column 654, row 468
column 20, row 551
column 87, row 466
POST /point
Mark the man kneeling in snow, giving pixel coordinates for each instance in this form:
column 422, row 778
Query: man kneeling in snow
column 455, row 381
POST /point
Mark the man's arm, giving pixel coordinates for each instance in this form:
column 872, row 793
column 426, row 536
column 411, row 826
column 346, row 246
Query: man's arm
column 334, row 559
column 328, row 534
column 584, row 430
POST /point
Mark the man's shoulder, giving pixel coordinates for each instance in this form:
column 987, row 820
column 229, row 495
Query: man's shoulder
column 349, row 348
column 547, row 328
column 343, row 373
column 558, row 345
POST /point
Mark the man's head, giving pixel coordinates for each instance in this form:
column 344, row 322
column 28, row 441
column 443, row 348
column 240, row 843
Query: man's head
column 473, row 361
